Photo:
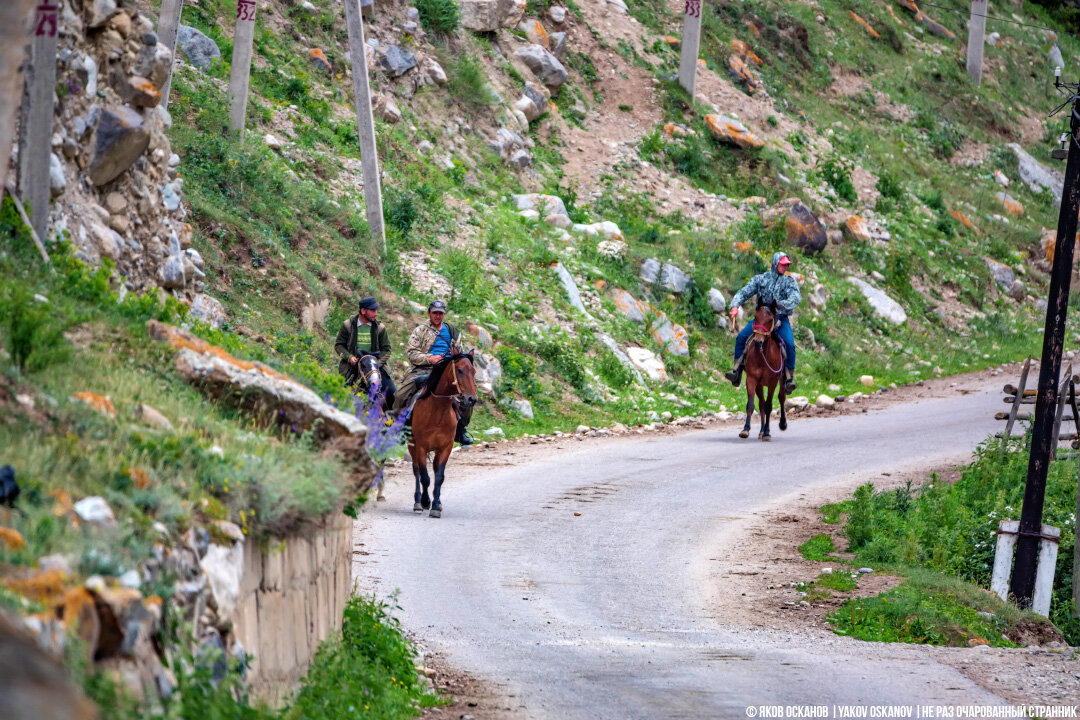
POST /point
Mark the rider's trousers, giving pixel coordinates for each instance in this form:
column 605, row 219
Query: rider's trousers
column 783, row 329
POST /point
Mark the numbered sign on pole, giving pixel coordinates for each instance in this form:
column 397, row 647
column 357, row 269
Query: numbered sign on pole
column 691, row 42
column 240, row 75
column 976, row 33
column 35, row 140
column 365, row 123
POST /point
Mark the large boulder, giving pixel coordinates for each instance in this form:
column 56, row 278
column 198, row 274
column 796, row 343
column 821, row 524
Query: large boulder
column 254, row 385
column 569, row 286
column 804, row 230
column 489, row 373
column 674, row 280
column 729, row 130
column 199, row 50
column 620, row 355
column 650, row 270
column 717, row 303
column 1038, row 176
column 648, row 363
column 397, row 61
column 490, row 15
column 120, row 137
column 628, row 305
column 884, row 306
column 208, row 309
column 544, row 205
column 542, row 64
column 672, row 336
column 1002, row 274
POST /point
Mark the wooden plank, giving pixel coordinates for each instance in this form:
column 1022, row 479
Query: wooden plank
column 35, row 132
column 1024, row 417
column 691, row 45
column 365, row 121
column 168, row 27
column 240, row 72
column 1062, row 397
column 1020, row 392
column 14, row 23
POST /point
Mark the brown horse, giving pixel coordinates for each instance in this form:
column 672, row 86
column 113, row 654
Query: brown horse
column 434, row 424
column 764, row 370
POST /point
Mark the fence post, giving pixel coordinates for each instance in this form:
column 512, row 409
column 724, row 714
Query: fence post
column 365, row 125
column 691, row 43
column 240, row 74
column 168, row 27
column 35, row 133
column 14, row 21
column 976, row 32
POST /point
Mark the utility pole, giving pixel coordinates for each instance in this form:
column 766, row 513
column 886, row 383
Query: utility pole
column 690, row 45
column 35, row 134
column 365, row 121
column 14, row 21
column 976, row 31
column 1042, row 440
column 168, row 27
column 240, row 73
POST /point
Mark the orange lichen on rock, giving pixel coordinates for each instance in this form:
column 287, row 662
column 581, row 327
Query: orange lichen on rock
column 752, row 27
column 743, row 50
column 732, row 131
column 744, row 247
column 11, row 538
column 854, row 228
column 99, row 402
column 674, row 42
column 873, row 33
column 183, row 340
column 139, row 478
column 43, row 586
column 1011, row 204
column 894, row 16
column 963, row 220
column 672, row 130
column 539, row 35
column 63, row 503
column 742, row 73
column 319, row 59
column 909, row 5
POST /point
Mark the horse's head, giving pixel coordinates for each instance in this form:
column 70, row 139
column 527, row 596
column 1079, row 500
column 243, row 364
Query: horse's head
column 369, row 374
column 764, row 322
column 459, row 379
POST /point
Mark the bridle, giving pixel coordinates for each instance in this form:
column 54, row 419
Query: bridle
column 761, row 334
column 373, row 377
column 457, row 385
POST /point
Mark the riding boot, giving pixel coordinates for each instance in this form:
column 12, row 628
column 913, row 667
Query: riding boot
column 790, row 384
column 735, row 376
column 464, row 416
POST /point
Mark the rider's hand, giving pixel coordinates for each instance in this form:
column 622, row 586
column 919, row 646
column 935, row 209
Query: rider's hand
column 734, row 313
column 435, row 359
column 352, row 359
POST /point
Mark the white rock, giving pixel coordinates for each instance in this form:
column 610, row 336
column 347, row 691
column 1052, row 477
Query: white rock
column 57, row 181
column 130, row 579
column 824, row 401
column 883, row 305
column 716, row 301
column 95, row 510
column 223, row 567
column 1038, row 176
column 530, row 215
column 524, row 407
column 648, row 363
column 272, row 142
column 570, row 287
column 798, row 402
column 867, row 380
column 582, row 429
column 494, row 432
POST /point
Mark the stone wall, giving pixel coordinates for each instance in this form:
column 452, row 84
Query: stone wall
column 292, row 596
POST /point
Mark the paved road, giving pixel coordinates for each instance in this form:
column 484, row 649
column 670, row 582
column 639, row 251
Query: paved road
column 607, row 615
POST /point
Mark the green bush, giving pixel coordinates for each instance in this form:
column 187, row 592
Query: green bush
column 32, row 333
column 837, row 172
column 470, row 285
column 439, row 17
column 519, row 373
column 467, row 81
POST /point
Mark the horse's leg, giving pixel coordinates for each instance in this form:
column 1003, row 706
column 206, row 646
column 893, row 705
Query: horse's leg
column 441, row 458
column 766, row 413
column 751, row 387
column 418, row 467
column 762, row 411
column 783, row 409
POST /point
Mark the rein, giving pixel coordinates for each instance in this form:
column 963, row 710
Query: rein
column 766, row 332
column 453, row 377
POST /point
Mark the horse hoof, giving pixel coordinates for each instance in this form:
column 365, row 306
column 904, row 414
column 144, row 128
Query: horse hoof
column 765, row 438
column 435, row 513
column 783, row 425
column 380, row 498
column 744, row 434
column 416, row 507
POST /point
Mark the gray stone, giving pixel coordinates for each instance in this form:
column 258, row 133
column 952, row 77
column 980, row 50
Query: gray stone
column 397, row 61
column 628, row 305
column 199, row 50
column 171, row 274
column 209, row 310
column 224, row 567
column 170, row 197
column 520, row 159
column 620, row 355
column 672, row 336
column 57, row 181
column 386, row 109
column 717, row 302
column 883, row 305
column 674, row 279
column 649, row 364
column 1054, row 55
column 1016, row 290
column 558, row 44
column 153, row 63
column 993, row 39
column 494, row 431
column 489, row 373
column 543, row 64
column 569, row 286
column 87, row 71
column 1038, row 176
column 95, row 510
column 108, row 241
column 119, row 139
column 543, row 204
column 479, row 15
column 559, row 221
column 538, row 94
column 805, row 230
column 650, row 270
column 98, row 12
column 818, row 296
column 557, row 14
column 524, row 408
column 434, row 70
column 527, row 108
column 1002, row 274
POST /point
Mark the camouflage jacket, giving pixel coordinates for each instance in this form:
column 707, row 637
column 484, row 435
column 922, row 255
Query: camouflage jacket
column 771, row 287
column 421, row 340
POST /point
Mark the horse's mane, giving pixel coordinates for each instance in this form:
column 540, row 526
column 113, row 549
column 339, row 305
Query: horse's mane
column 440, row 367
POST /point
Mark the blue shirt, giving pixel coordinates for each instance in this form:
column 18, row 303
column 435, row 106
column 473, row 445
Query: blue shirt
column 441, row 346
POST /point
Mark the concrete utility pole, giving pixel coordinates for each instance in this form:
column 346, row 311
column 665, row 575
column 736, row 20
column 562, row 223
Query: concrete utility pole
column 1043, row 438
column 35, row 133
column 14, row 21
column 976, row 32
column 690, row 46
column 168, row 27
column 243, row 44
column 365, row 121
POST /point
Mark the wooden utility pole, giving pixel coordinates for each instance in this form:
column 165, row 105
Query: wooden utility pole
column 690, row 46
column 168, row 27
column 240, row 74
column 365, row 122
column 976, row 33
column 1043, row 439
column 35, row 132
column 14, row 21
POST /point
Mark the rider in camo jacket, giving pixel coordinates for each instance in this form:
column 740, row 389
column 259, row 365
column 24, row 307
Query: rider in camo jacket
column 777, row 286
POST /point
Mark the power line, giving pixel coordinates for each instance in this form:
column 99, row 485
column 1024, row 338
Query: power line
column 988, row 17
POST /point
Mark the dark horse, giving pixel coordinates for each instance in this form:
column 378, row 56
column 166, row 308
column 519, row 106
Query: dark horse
column 434, row 424
column 764, row 370
column 366, row 375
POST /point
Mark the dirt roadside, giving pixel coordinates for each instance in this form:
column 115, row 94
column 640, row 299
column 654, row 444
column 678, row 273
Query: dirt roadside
column 758, row 560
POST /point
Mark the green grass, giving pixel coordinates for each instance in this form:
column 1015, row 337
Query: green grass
column 819, row 547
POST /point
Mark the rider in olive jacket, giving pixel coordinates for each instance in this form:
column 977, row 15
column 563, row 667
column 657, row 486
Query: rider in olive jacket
column 777, row 286
column 363, row 334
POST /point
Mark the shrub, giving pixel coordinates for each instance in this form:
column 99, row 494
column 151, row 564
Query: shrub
column 837, row 172
column 440, row 17
column 400, row 211
column 470, row 287
column 468, row 81
column 34, row 337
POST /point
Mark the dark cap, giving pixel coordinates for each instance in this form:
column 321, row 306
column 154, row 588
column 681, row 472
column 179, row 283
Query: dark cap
column 437, row 306
column 369, row 303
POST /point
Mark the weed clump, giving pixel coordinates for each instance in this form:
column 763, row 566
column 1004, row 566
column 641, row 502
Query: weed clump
column 440, row 17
